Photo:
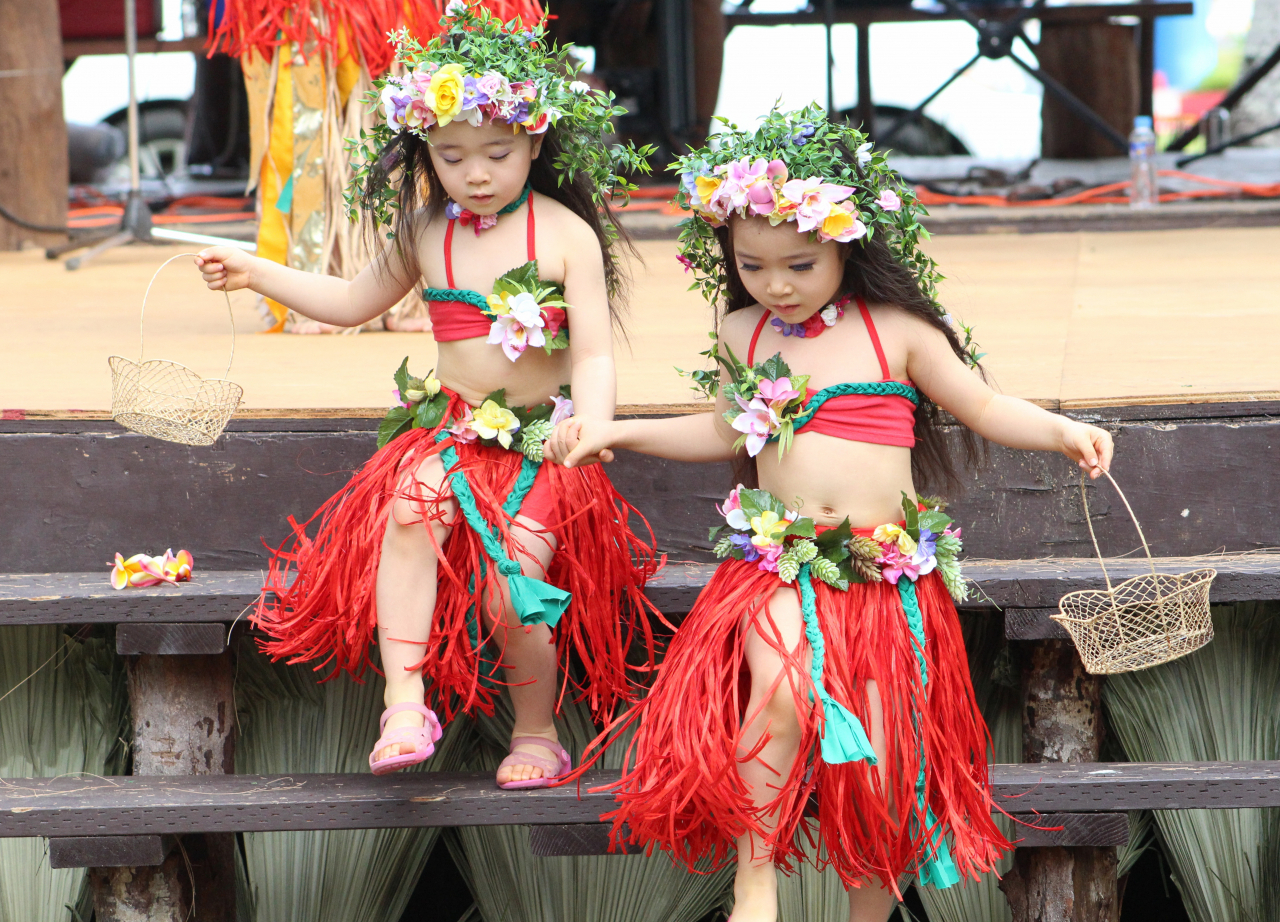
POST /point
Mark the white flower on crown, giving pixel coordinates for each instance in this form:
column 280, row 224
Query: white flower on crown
column 579, row 86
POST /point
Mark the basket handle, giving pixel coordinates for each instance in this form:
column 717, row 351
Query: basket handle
column 1084, row 499
column 142, row 341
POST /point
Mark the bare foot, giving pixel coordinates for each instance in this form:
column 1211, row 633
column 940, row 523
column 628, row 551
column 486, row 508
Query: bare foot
column 755, row 893
column 403, row 719
column 407, row 325
column 516, row 771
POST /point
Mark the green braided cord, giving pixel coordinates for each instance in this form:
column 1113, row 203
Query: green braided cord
column 524, row 196
column 939, row 870
column 873, row 388
column 463, row 295
column 843, row 736
column 535, row 601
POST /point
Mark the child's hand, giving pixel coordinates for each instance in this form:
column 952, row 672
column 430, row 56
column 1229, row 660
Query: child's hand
column 578, row 441
column 1088, row 446
column 224, row 268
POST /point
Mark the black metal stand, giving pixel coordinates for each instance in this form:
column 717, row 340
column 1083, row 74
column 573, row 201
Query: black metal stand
column 1217, row 149
column 1247, row 82
column 995, row 40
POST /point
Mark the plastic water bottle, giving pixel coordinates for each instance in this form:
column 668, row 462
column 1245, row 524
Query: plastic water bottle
column 1142, row 151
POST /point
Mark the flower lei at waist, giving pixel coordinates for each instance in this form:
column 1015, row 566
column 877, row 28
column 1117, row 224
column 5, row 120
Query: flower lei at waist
column 763, row 530
column 422, row 403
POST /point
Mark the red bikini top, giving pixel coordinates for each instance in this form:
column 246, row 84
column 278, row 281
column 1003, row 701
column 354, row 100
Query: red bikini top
column 456, row 313
column 882, row 412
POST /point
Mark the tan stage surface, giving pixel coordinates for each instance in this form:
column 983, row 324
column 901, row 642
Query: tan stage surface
column 1079, row 319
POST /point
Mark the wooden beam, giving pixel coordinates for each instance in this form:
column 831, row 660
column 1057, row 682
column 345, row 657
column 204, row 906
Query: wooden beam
column 109, row 851
column 33, row 133
column 1033, row 624
column 170, row 639
column 138, row 805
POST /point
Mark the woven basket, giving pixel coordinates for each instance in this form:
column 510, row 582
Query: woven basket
column 1142, row 622
column 169, row 401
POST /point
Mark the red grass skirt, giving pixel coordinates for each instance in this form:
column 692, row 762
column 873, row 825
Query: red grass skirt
column 329, row 610
column 682, row 790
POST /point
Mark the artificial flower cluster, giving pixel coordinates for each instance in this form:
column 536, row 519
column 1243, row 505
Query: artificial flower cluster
column 525, row 312
column 141, row 570
column 435, row 94
column 421, row 403
column 763, row 188
column 764, row 400
column 493, row 422
column 815, row 325
column 779, row 540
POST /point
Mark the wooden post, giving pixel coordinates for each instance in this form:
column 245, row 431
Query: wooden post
column 33, row 134
column 183, row 724
column 1098, row 63
column 1061, row 722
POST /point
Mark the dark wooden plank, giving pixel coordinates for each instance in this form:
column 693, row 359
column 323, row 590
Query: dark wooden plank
column 1036, row 585
column 140, row 805
column 1098, row 830
column 575, row 839
column 1033, row 624
column 65, row 512
column 109, row 851
column 170, row 639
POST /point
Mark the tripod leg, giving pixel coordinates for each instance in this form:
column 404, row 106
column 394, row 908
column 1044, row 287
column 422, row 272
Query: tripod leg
column 915, row 113
column 115, row 240
column 1079, row 109
column 78, row 242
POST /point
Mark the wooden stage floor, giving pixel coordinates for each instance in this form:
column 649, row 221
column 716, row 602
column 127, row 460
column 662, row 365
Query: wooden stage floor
column 1071, row 319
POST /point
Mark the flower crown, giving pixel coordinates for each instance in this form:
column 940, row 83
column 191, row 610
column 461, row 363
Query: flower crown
column 480, row 68
column 802, row 167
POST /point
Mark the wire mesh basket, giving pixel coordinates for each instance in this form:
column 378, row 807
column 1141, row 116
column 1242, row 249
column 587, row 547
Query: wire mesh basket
column 1142, row 622
column 169, row 401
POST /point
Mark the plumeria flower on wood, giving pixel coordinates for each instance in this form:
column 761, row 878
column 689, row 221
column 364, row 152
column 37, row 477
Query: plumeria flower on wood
column 141, row 570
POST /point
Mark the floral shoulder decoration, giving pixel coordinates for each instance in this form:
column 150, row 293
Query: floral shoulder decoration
column 763, row 530
column 764, row 400
column 481, row 68
column 527, row 312
column 422, row 404
column 800, row 167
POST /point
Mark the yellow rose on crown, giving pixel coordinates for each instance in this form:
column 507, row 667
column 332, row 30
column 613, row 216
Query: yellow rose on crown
column 444, row 92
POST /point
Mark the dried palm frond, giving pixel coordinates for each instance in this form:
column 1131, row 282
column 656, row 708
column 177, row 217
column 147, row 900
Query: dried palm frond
column 1215, row 704
column 289, row 723
column 63, row 712
column 511, row 885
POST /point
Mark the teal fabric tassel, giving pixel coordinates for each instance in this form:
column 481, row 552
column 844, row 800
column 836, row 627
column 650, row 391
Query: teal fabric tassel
column 534, row 601
column 938, row 870
column 843, row 736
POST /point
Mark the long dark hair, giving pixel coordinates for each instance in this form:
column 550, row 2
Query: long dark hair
column 405, row 166
column 871, row 272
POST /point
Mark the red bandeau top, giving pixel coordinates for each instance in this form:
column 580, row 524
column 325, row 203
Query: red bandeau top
column 456, row 312
column 880, row 419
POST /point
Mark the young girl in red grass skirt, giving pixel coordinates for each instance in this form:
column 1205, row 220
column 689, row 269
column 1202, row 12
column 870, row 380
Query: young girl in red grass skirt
column 817, row 701
column 469, row 560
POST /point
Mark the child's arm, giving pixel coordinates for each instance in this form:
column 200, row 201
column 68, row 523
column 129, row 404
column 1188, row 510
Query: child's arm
column 696, row 437
column 326, row 298
column 593, row 378
column 1016, row 423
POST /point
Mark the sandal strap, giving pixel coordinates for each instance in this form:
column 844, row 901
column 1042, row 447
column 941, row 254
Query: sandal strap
column 399, row 734
column 422, row 709
column 553, row 767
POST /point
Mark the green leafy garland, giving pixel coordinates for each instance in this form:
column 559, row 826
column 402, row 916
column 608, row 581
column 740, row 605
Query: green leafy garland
column 810, row 145
column 478, row 41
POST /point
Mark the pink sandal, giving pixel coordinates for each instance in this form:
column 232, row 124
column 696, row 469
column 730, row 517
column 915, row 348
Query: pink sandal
column 423, row 739
column 550, row 770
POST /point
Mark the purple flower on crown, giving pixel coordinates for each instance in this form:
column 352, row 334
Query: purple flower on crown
column 472, row 94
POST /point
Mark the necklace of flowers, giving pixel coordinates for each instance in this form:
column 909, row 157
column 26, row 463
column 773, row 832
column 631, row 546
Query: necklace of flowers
column 482, row 222
column 421, row 403
column 764, row 400
column 526, row 312
column 778, row 540
column 815, row 325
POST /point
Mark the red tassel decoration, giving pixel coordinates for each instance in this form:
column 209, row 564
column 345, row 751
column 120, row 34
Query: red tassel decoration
column 682, row 790
column 328, row 612
column 314, row 25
